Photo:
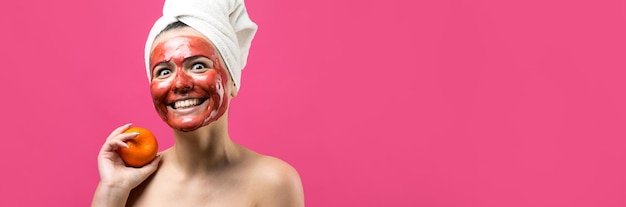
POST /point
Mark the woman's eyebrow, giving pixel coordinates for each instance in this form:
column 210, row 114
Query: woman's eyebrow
column 195, row 57
column 160, row 63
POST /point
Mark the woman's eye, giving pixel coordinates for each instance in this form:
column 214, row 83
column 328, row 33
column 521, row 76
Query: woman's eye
column 164, row 72
column 198, row 66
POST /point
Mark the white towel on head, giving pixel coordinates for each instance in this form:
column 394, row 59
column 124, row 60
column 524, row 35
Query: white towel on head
column 224, row 22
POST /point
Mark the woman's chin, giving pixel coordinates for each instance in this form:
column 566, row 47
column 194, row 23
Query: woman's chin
column 186, row 126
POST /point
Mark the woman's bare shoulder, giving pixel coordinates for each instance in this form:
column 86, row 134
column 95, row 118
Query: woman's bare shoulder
column 274, row 169
column 277, row 181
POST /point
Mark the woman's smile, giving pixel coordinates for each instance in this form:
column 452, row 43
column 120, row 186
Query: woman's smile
column 187, row 103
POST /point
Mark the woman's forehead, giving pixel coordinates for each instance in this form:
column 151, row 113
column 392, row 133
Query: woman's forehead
column 178, row 32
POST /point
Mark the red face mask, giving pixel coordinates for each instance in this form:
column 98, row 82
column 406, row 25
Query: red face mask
column 188, row 82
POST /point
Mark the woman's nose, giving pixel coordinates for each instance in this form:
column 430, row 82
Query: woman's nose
column 183, row 82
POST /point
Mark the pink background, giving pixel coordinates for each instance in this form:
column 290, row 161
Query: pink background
column 376, row 103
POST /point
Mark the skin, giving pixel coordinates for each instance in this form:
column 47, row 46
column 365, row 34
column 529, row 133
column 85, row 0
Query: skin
column 204, row 167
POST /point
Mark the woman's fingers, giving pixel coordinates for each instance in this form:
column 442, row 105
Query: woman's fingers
column 120, row 144
column 119, row 130
column 118, row 141
column 128, row 136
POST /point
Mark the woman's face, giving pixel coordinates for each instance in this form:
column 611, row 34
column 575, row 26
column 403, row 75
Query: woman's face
column 189, row 80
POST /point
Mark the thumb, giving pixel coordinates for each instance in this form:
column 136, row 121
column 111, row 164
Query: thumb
column 151, row 167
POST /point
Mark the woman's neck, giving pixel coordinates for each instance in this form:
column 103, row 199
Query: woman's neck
column 207, row 149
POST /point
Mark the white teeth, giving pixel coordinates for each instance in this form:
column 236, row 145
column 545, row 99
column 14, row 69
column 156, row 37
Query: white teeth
column 186, row 103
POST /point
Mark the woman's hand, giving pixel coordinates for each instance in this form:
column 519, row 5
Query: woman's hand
column 116, row 179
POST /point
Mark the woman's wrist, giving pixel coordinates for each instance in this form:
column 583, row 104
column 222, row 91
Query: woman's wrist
column 115, row 186
column 110, row 195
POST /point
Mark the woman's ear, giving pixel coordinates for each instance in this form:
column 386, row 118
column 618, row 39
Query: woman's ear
column 233, row 89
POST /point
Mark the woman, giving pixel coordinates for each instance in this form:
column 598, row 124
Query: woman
column 194, row 57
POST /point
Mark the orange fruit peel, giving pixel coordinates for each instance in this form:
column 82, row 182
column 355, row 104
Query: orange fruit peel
column 141, row 150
